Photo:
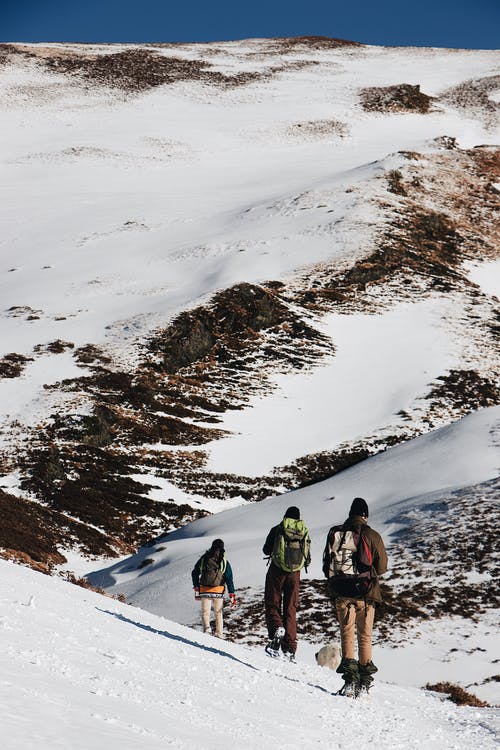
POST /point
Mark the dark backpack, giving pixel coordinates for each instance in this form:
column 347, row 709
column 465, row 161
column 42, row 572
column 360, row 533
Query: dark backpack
column 212, row 569
column 348, row 562
column 291, row 549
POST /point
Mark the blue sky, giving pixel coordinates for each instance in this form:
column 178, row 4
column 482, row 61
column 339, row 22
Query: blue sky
column 443, row 23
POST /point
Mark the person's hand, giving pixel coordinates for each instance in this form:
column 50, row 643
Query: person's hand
column 196, row 592
column 232, row 600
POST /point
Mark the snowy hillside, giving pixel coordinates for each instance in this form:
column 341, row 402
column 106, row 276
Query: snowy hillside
column 80, row 670
column 233, row 269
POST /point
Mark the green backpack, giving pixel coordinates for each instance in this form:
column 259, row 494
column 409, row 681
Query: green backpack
column 291, row 546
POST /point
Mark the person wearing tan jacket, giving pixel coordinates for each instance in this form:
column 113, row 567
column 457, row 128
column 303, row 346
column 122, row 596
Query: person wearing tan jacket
column 353, row 560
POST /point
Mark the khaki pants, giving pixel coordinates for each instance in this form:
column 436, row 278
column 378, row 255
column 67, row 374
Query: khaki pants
column 206, row 604
column 355, row 613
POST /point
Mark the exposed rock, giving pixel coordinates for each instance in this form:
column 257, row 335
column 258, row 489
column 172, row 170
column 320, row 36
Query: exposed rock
column 401, row 98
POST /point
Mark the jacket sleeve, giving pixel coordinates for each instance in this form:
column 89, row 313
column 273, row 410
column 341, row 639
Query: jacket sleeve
column 380, row 557
column 326, row 557
column 269, row 543
column 195, row 573
column 228, row 578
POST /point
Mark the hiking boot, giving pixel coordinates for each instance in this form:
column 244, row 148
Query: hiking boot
column 290, row 656
column 274, row 645
column 349, row 689
column 365, row 674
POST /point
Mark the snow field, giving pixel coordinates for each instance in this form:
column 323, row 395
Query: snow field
column 79, row 670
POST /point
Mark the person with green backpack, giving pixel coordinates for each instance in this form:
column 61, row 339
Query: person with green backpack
column 210, row 576
column 288, row 547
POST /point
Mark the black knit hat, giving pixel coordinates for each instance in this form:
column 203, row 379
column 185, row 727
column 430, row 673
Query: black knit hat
column 217, row 544
column 292, row 512
column 359, row 507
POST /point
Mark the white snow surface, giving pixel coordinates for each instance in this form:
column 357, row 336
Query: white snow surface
column 79, row 671
column 117, row 213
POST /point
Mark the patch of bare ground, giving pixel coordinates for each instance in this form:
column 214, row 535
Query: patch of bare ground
column 12, row 365
column 400, row 98
column 474, row 97
column 94, row 485
column 464, row 391
column 20, row 311
column 293, row 44
column 134, row 70
column 444, row 559
column 318, row 129
column 53, row 347
column 35, row 535
column 90, row 354
column 440, row 213
column 457, row 694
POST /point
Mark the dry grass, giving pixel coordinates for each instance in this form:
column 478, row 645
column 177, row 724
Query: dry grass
column 457, row 694
column 12, row 365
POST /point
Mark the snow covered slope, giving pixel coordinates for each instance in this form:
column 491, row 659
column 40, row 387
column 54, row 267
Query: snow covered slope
column 80, row 670
column 229, row 269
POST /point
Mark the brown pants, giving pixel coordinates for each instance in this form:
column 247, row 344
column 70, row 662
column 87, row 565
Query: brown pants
column 350, row 613
column 206, row 604
column 281, row 599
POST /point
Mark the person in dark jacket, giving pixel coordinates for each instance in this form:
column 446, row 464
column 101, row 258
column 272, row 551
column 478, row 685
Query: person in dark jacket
column 356, row 612
column 281, row 597
column 210, row 576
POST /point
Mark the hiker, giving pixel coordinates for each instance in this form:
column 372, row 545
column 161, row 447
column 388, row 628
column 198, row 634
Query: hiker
column 211, row 574
column 353, row 559
column 288, row 546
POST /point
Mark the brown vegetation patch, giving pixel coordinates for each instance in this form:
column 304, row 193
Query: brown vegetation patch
column 133, row 70
column 53, row 347
column 19, row 311
column 474, row 96
column 12, row 365
column 94, row 485
column 91, row 355
column 232, row 322
column 400, row 98
column 457, row 694
column 427, row 244
column 395, row 182
column 318, row 129
column 33, row 534
column 437, row 547
column 466, row 390
column 299, row 43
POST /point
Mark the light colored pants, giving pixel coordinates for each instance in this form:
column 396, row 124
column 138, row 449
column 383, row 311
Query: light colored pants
column 206, row 604
column 351, row 613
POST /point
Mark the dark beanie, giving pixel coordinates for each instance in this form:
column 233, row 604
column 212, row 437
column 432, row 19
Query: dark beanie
column 217, row 544
column 359, row 507
column 293, row 512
